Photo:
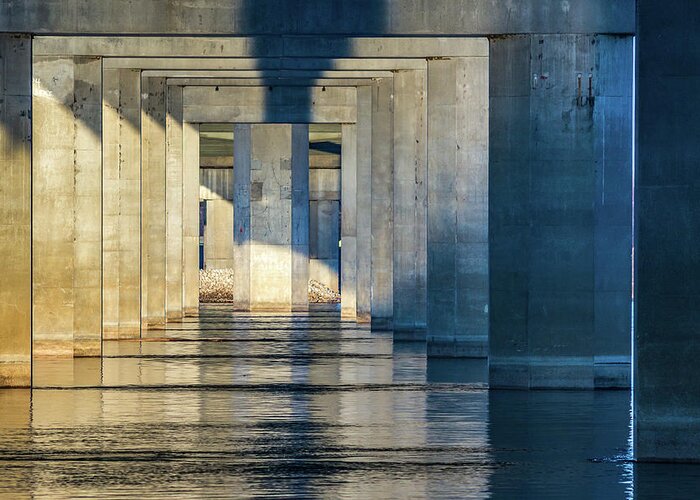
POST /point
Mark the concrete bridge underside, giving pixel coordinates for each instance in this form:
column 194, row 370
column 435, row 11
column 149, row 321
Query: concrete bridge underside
column 486, row 178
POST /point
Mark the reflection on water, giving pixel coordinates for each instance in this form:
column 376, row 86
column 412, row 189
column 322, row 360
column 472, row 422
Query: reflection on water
column 307, row 406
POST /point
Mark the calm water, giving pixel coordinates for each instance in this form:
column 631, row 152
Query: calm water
column 307, row 406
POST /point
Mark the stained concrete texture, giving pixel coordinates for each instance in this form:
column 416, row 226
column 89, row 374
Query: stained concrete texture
column 667, row 279
column 560, row 211
column 382, row 175
column 121, row 204
column 153, row 203
column 410, row 203
column 280, row 17
column 66, row 206
column 15, row 210
column 190, row 209
column 348, row 229
column 457, row 235
column 173, row 203
column 271, row 217
column 218, row 235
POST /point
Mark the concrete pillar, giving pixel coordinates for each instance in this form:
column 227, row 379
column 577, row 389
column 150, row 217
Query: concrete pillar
column 410, row 203
column 382, row 301
column 300, row 217
column 173, row 204
column 218, row 235
column 458, row 207
column 121, row 204
column 667, row 279
column 348, row 214
column 364, row 204
column 190, row 218
column 241, row 216
column 560, row 186
column 67, row 220
column 15, row 210
column 270, row 214
column 271, row 228
column 153, row 219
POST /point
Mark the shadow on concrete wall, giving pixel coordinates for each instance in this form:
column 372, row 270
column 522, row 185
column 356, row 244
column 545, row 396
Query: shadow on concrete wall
column 309, row 18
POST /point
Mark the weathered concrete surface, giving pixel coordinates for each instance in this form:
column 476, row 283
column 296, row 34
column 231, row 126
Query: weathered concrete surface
column 300, row 217
column 324, row 229
column 348, row 226
column 270, row 47
column 410, row 202
column 316, row 17
column 667, row 279
column 382, row 299
column 216, row 183
column 121, row 204
column 560, row 187
column 265, row 105
column 364, row 204
column 458, row 302
column 271, row 217
column 193, row 66
column 173, row 203
column 190, row 218
column 153, row 221
column 241, row 216
column 218, row 235
column 67, row 229
column 15, row 210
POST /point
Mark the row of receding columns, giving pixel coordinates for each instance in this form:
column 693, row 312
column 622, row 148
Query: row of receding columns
column 422, row 188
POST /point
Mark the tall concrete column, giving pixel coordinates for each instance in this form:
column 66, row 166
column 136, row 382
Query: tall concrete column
column 153, row 219
column 560, row 214
column 67, row 220
column 121, row 204
column 15, row 210
column 382, row 301
column 190, row 219
column 241, row 216
column 348, row 229
column 300, row 217
column 173, row 204
column 271, row 217
column 667, row 201
column 364, row 204
column 410, row 203
column 458, row 302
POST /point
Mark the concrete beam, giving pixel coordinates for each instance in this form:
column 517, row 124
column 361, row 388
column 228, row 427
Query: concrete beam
column 317, row 17
column 264, row 105
column 121, row 204
column 275, row 64
column 278, row 82
column 269, row 74
column 15, row 210
column 262, row 47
